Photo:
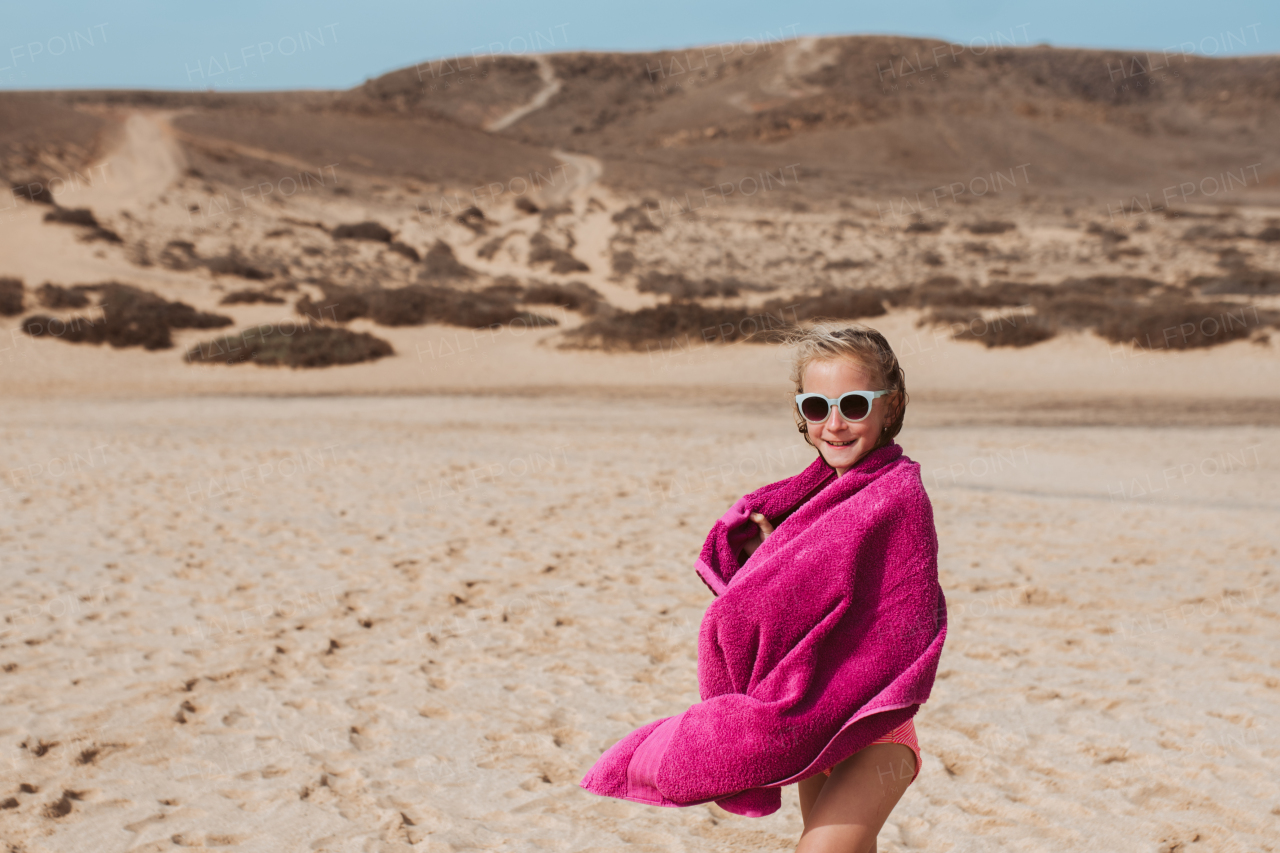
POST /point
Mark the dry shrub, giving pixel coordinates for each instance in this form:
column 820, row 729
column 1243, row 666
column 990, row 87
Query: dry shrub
column 542, row 251
column 575, row 296
column 636, row 218
column 677, row 286
column 309, row 346
column 57, row 297
column 418, row 304
column 473, row 218
column 11, row 296
column 82, row 216
column 925, row 227
column 105, row 234
column 1242, row 282
column 368, row 230
column 233, row 263
column 990, row 227
column 179, row 255
column 34, row 188
column 72, row 216
column 405, row 249
column 441, row 263
column 250, row 297
column 1109, row 235
column 835, row 303
column 130, row 317
column 1270, row 234
column 1210, row 232
column 526, row 205
column 622, row 262
column 1179, row 324
column 612, row 329
column 1019, row 329
column 339, row 304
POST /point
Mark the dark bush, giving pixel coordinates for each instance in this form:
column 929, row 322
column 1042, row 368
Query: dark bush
column 640, row 330
column 1109, row 235
column 678, row 287
column 927, row 227
column 130, row 317
column 524, row 204
column 1178, row 324
column 75, row 330
column 542, row 251
column 339, row 304
column 404, row 306
column 1109, row 286
column 362, row 231
column 105, row 234
column 637, row 218
column 622, row 262
column 1243, row 282
column 36, row 189
column 10, row 296
column 250, row 297
column 417, row 304
column 57, row 297
column 1009, row 330
column 844, row 264
column 310, row 346
column 830, row 302
column 990, row 227
column 233, row 263
column 72, row 216
column 441, row 263
column 179, row 255
column 1270, row 234
column 473, row 218
column 576, row 296
column 1209, row 232
column 405, row 249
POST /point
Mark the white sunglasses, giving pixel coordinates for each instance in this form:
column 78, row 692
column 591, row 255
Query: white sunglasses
column 853, row 405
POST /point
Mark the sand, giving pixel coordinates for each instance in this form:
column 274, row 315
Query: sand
column 387, row 623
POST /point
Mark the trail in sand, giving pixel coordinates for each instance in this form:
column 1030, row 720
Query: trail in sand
column 551, row 85
column 146, row 162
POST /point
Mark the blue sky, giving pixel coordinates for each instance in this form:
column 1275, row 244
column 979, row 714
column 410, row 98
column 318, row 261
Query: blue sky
column 325, row 44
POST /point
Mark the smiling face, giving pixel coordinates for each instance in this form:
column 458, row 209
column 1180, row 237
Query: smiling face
column 842, row 443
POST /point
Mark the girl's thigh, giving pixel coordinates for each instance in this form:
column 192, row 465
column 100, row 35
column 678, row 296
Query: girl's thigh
column 844, row 812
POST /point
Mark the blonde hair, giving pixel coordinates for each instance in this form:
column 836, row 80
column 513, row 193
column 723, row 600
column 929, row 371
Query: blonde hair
column 865, row 347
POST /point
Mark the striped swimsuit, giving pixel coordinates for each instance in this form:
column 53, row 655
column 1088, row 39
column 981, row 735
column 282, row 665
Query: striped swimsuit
column 904, row 734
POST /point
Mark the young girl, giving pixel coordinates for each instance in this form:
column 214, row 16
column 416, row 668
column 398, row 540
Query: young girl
column 827, row 628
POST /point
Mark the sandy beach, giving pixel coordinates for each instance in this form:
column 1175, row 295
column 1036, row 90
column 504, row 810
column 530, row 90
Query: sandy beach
column 412, row 623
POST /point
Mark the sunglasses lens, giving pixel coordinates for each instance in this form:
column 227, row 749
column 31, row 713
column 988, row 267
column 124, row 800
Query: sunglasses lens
column 814, row 409
column 854, row 408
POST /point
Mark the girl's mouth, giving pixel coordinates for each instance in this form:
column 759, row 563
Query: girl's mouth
column 842, row 443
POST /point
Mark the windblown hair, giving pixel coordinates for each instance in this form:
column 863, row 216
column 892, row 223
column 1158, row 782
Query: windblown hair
column 864, row 346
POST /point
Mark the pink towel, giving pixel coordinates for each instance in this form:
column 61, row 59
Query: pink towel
column 827, row 638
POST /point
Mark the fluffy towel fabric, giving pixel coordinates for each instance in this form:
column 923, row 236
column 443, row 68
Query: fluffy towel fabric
column 825, row 639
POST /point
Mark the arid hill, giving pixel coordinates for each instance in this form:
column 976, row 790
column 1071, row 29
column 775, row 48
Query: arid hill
column 856, row 114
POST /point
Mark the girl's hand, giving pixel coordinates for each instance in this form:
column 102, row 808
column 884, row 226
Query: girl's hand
column 756, row 541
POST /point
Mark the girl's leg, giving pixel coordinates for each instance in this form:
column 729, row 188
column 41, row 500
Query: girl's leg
column 809, row 790
column 847, row 810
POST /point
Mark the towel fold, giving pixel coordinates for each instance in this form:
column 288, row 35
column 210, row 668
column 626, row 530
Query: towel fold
column 825, row 639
